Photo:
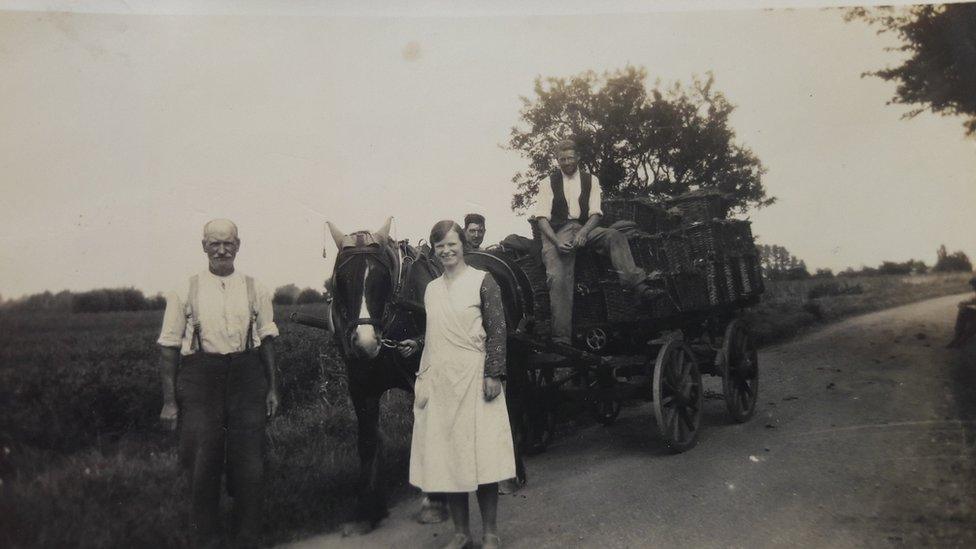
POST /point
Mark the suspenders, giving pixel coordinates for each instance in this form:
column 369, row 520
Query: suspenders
column 194, row 320
column 253, row 312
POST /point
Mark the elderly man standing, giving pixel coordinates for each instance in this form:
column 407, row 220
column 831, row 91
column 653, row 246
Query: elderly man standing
column 568, row 213
column 217, row 364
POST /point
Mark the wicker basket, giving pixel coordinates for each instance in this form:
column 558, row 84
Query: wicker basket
column 717, row 290
column 690, row 289
column 751, row 275
column 622, row 305
column 738, row 237
column 705, row 241
column 589, row 309
column 648, row 251
column 676, row 257
column 533, row 268
column 648, row 214
column 733, row 282
column 700, row 206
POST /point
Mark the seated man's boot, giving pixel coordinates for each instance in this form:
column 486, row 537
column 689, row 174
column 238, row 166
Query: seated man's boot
column 648, row 293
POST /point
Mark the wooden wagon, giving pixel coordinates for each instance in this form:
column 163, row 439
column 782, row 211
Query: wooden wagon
column 622, row 350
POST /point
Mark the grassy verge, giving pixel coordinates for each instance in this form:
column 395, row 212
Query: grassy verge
column 790, row 307
column 82, row 463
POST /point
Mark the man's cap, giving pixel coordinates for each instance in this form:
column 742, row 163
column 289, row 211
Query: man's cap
column 474, row 218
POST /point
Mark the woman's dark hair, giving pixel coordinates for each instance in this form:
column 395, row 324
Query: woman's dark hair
column 441, row 228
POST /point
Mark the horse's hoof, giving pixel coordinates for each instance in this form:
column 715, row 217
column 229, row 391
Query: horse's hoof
column 510, row 486
column 357, row 528
column 432, row 514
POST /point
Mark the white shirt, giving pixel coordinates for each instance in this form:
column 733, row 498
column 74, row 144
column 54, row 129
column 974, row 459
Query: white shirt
column 223, row 312
column 571, row 190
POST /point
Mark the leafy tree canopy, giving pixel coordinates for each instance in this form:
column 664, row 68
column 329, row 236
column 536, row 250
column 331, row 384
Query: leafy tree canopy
column 661, row 141
column 954, row 262
column 939, row 71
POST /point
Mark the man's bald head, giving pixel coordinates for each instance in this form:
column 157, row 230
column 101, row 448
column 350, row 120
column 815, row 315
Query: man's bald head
column 221, row 228
column 220, row 243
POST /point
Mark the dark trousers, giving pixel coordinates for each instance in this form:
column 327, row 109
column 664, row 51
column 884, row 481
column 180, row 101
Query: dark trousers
column 222, row 418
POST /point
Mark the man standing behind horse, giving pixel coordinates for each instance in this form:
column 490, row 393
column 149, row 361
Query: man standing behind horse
column 474, row 231
column 568, row 213
column 218, row 330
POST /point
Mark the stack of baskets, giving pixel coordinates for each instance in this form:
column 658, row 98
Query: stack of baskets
column 649, row 216
column 725, row 252
column 706, row 259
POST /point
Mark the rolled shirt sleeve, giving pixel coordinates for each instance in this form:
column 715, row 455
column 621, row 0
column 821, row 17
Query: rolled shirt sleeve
column 265, row 313
column 174, row 321
column 493, row 320
column 596, row 196
column 543, row 201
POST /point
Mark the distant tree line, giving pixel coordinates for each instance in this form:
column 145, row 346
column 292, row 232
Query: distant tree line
column 290, row 294
column 130, row 299
column 779, row 264
column 93, row 301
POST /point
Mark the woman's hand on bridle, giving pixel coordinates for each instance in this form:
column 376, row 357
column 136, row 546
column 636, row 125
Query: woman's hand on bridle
column 493, row 387
column 408, row 347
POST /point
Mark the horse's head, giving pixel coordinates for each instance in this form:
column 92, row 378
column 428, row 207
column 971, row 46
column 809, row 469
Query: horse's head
column 364, row 278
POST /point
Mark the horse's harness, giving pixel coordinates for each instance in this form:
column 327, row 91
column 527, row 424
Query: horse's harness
column 395, row 263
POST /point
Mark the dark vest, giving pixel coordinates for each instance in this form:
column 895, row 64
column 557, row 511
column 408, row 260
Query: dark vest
column 560, row 209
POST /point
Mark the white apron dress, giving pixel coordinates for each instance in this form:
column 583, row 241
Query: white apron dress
column 459, row 440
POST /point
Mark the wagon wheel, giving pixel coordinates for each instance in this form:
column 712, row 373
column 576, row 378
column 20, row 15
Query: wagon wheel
column 677, row 395
column 540, row 419
column 740, row 372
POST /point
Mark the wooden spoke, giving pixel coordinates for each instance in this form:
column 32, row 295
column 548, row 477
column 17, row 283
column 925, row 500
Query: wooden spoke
column 678, row 395
column 740, row 372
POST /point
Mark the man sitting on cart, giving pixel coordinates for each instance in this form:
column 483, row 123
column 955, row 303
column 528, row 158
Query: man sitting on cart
column 568, row 213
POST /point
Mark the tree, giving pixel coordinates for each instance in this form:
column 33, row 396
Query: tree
column 285, row 295
column 779, row 264
column 954, row 262
column 918, row 266
column 309, row 295
column 109, row 299
column 939, row 73
column 894, row 268
column 660, row 142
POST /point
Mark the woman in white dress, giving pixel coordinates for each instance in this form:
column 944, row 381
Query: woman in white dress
column 462, row 441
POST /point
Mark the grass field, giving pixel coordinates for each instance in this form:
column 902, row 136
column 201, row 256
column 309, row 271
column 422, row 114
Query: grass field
column 84, row 464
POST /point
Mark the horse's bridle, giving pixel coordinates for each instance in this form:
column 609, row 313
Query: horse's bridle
column 394, row 265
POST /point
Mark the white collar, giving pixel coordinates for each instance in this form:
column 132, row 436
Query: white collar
column 229, row 278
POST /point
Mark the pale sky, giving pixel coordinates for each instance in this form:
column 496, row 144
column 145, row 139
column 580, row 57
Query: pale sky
column 124, row 133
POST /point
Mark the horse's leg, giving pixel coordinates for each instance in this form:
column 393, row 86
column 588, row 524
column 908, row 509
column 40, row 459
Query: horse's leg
column 433, row 508
column 965, row 327
column 371, row 504
column 515, row 400
column 969, row 328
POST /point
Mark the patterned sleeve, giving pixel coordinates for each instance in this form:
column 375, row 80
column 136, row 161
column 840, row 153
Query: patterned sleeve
column 493, row 319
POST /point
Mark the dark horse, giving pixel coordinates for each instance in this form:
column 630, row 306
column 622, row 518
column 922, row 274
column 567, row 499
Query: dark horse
column 378, row 290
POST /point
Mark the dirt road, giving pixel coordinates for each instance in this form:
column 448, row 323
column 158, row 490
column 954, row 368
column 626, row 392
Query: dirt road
column 864, row 437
